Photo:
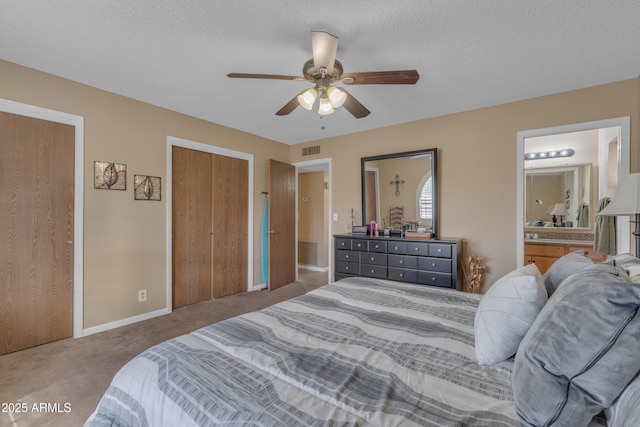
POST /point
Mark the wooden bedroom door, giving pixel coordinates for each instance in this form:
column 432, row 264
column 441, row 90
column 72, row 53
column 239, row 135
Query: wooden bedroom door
column 36, row 231
column 282, row 208
column 209, row 222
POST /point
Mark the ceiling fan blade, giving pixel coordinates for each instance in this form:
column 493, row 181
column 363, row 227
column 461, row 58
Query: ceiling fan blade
column 264, row 76
column 354, row 106
column 325, row 47
column 290, row 106
column 401, row 77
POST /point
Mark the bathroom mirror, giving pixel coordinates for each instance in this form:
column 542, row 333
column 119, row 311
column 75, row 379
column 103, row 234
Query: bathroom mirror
column 401, row 187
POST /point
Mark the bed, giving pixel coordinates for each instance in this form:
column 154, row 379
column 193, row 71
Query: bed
column 358, row 352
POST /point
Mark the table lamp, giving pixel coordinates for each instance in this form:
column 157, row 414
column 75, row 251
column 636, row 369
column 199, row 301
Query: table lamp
column 560, row 210
column 626, row 202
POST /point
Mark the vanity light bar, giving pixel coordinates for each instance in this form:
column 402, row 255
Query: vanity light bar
column 567, row 152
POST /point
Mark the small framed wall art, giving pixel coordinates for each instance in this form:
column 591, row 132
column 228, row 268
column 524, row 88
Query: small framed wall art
column 146, row 187
column 109, row 176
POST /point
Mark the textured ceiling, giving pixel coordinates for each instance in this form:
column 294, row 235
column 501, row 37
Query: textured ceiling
column 469, row 54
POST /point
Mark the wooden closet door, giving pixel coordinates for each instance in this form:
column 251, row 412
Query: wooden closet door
column 230, row 184
column 36, row 231
column 191, row 225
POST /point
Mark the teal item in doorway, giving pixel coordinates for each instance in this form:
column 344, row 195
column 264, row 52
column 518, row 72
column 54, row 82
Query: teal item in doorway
column 264, row 241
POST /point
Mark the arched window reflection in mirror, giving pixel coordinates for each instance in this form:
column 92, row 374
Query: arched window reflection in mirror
column 424, row 199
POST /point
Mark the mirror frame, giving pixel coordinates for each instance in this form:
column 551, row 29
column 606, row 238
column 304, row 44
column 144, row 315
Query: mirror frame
column 434, row 159
column 623, row 169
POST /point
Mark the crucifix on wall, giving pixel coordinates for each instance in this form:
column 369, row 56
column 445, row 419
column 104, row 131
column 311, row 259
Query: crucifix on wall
column 398, row 183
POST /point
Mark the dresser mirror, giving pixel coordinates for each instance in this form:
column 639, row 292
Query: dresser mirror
column 401, row 188
column 565, row 172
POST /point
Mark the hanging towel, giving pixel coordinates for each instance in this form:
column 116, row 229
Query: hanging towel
column 605, row 232
column 583, row 215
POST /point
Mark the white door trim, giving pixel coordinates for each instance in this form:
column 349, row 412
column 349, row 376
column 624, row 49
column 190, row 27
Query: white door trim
column 77, row 122
column 316, row 162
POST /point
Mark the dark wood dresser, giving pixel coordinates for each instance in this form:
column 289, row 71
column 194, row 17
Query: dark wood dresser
column 420, row 261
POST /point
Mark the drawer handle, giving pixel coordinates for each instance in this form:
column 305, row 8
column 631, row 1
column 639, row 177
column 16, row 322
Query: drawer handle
column 373, row 258
column 396, row 248
column 401, row 261
column 433, row 264
column 417, row 249
column 347, row 256
column 343, row 243
column 373, row 271
column 433, row 279
column 359, row 244
column 401, row 274
column 346, row 268
column 377, row 246
column 439, row 250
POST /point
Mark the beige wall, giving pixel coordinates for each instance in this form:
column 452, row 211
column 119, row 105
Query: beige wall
column 125, row 240
column 476, row 161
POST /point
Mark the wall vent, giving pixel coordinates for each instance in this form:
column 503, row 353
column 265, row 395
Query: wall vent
column 308, row 151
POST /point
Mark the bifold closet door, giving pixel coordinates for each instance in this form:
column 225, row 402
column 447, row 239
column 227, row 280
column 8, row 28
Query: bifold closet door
column 36, row 231
column 210, row 213
column 191, row 225
column 230, row 186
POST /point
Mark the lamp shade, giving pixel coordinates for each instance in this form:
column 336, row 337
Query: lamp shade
column 627, row 198
column 559, row 209
column 307, row 98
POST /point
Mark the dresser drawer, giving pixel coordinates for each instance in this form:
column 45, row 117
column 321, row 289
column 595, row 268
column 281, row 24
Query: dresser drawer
column 403, row 275
column 440, row 250
column 343, row 243
column 434, row 279
column 373, row 258
column 420, row 249
column 359, row 245
column 435, row 264
column 348, row 267
column 353, row 256
column 375, row 246
column 403, row 261
column 397, row 248
column 376, row 271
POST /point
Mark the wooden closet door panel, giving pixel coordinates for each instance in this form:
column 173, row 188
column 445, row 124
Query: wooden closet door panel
column 36, row 231
column 230, row 184
column 191, row 224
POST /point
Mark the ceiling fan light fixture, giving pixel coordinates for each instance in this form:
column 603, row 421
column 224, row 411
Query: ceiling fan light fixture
column 325, row 105
column 307, row 98
column 336, row 96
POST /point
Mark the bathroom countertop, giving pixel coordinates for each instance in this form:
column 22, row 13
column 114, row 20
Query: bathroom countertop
column 560, row 242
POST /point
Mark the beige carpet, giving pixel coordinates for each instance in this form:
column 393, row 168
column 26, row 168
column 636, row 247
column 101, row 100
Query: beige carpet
column 69, row 376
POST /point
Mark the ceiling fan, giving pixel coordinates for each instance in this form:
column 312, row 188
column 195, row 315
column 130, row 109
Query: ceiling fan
column 323, row 70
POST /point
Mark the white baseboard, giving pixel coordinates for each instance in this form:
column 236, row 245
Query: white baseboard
column 124, row 322
column 258, row 287
column 313, row 268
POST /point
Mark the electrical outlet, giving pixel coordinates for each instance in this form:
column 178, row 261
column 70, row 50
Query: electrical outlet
column 142, row 295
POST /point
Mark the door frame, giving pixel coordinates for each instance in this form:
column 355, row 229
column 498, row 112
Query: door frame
column 77, row 122
column 173, row 141
column 624, row 156
column 317, row 162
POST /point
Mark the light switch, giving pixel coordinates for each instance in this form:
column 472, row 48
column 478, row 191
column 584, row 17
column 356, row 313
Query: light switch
column 335, row 216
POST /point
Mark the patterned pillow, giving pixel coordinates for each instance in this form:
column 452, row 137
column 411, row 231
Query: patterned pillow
column 506, row 312
column 581, row 351
column 631, row 264
column 564, row 267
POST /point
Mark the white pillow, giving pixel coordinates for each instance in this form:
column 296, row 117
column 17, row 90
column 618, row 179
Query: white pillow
column 506, row 312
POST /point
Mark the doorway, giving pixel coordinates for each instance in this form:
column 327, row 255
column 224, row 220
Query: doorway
column 313, row 221
column 223, row 223
column 55, row 275
column 617, row 129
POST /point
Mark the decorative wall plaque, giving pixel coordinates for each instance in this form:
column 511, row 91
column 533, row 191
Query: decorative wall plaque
column 146, row 187
column 109, row 176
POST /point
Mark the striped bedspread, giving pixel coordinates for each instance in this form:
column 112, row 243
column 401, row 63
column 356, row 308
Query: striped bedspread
column 359, row 352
